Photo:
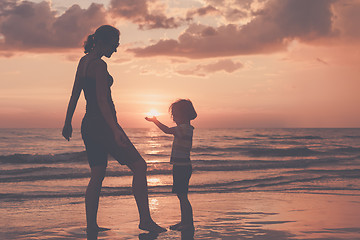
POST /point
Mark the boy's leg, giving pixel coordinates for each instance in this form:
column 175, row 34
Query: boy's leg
column 181, row 177
column 186, row 211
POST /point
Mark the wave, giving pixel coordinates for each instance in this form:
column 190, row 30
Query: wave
column 276, row 152
column 158, row 154
column 164, row 168
column 22, row 171
column 46, row 174
column 343, row 150
column 296, row 137
column 261, row 152
column 262, row 135
column 306, row 137
column 44, row 158
column 274, row 136
column 351, row 137
column 238, row 138
column 282, row 183
column 161, row 137
column 285, row 152
column 266, row 164
column 197, row 152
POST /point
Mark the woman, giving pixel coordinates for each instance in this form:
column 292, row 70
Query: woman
column 100, row 130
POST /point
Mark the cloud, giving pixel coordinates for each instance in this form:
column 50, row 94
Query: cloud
column 30, row 26
column 266, row 26
column 270, row 31
column 322, row 61
column 348, row 18
column 5, row 5
column 122, row 60
column 202, row 70
column 138, row 11
column 35, row 26
column 231, row 10
column 203, row 11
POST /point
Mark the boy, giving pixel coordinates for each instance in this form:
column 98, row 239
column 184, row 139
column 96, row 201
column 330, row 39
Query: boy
column 182, row 112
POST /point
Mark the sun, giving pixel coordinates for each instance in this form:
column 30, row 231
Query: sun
column 152, row 113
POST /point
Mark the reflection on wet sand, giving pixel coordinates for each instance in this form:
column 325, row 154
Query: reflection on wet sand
column 92, row 235
column 257, row 216
column 188, row 234
column 148, row 236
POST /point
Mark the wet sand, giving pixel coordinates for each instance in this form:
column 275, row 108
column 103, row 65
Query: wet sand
column 247, row 215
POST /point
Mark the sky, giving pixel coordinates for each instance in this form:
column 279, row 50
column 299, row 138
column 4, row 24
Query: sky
column 243, row 63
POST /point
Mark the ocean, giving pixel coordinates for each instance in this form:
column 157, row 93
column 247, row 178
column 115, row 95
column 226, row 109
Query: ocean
column 246, row 184
column 224, row 160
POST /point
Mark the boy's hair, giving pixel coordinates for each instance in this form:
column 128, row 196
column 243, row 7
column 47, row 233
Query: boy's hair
column 183, row 107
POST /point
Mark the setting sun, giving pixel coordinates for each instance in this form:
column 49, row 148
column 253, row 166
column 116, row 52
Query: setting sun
column 268, row 148
column 152, row 113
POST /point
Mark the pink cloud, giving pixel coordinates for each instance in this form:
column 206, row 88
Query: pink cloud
column 202, row 70
column 138, row 12
column 347, row 16
column 231, row 10
column 30, row 26
column 208, row 10
column 35, row 26
column 270, row 31
column 321, row 61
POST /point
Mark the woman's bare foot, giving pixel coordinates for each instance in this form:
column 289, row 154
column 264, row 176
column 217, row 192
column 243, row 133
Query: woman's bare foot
column 175, row 226
column 97, row 229
column 102, row 229
column 185, row 227
column 151, row 227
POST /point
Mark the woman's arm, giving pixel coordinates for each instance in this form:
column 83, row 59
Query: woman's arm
column 162, row 127
column 102, row 95
column 67, row 129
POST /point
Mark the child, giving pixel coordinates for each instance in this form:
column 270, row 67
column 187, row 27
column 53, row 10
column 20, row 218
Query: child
column 182, row 112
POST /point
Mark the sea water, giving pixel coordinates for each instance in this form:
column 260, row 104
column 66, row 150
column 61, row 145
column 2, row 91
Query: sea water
column 40, row 164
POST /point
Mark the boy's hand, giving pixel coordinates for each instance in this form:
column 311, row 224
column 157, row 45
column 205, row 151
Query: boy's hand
column 151, row 119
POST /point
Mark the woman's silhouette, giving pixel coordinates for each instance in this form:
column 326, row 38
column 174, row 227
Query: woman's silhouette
column 100, row 130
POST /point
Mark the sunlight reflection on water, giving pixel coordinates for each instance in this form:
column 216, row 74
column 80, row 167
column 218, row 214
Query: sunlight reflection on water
column 153, row 203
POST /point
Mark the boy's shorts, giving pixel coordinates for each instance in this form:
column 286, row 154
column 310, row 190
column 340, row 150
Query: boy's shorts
column 181, row 177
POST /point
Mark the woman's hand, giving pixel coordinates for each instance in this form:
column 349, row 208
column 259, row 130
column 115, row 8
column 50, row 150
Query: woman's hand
column 67, row 131
column 120, row 138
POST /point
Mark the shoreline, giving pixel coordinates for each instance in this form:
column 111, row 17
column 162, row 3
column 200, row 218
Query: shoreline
column 247, row 215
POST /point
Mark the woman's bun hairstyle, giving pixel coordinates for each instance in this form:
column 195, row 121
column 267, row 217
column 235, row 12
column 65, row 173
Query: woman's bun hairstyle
column 105, row 33
column 89, row 44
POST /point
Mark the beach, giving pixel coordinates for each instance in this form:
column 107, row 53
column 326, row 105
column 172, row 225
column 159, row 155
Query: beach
column 255, row 103
column 217, row 216
column 247, row 184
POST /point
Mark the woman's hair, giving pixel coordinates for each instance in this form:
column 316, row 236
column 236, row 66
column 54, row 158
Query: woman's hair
column 105, row 33
column 183, row 108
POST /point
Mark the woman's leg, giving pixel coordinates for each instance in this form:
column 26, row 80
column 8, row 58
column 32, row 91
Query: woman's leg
column 92, row 196
column 140, row 191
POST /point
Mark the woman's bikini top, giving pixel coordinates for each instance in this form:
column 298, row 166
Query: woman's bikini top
column 89, row 87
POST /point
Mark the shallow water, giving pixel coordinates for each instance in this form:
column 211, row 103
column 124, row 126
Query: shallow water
column 224, row 160
column 263, row 184
column 251, row 215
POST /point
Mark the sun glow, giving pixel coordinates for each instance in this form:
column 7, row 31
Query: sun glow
column 152, row 113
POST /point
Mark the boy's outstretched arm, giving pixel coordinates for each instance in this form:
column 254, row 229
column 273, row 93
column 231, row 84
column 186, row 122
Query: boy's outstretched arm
column 162, row 127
